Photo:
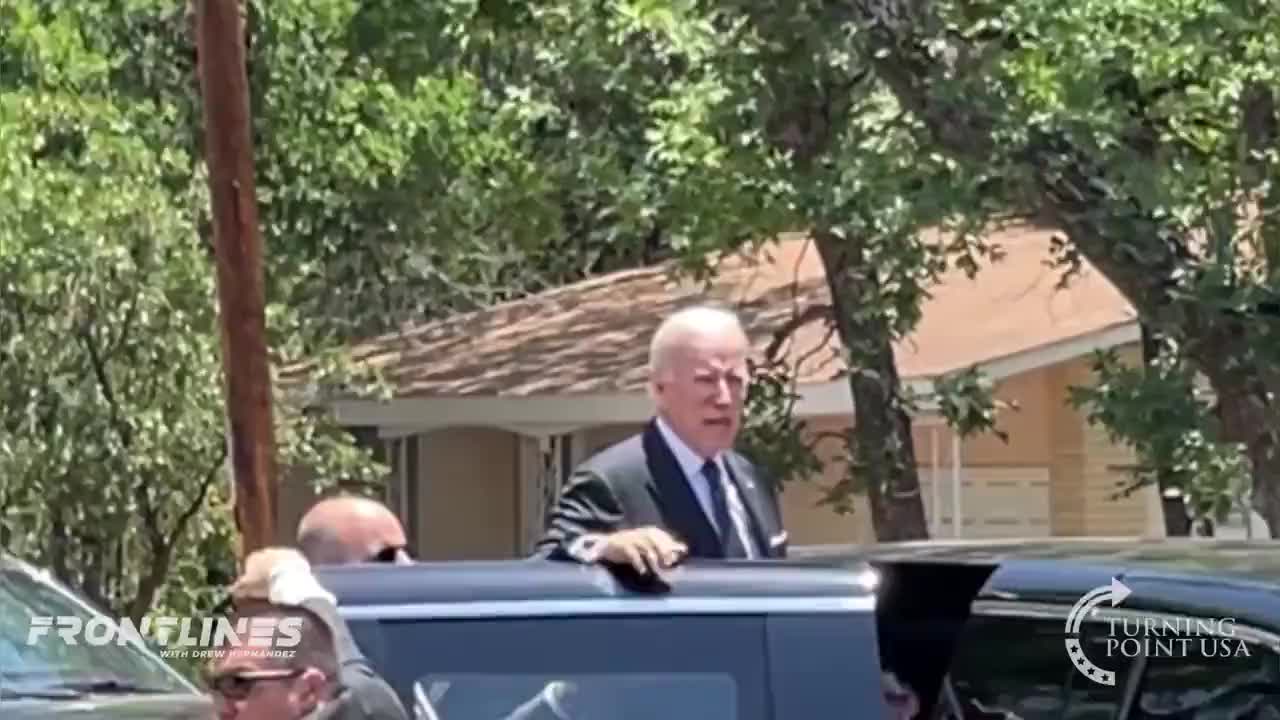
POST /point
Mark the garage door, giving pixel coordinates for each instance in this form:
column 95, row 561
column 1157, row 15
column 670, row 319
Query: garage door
column 994, row 502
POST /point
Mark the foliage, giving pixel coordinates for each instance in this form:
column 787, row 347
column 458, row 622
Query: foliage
column 778, row 442
column 965, row 400
column 396, row 189
column 111, row 423
column 1147, row 132
column 713, row 128
column 1162, row 412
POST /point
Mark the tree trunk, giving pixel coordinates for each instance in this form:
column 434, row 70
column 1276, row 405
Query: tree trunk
column 1177, row 522
column 1247, row 418
column 884, row 453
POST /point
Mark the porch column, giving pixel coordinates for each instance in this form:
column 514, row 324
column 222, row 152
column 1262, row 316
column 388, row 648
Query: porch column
column 539, row 473
column 957, row 513
column 935, row 489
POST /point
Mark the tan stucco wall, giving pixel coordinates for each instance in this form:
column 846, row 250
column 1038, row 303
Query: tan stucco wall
column 1089, row 468
column 807, row 519
column 598, row 438
column 468, row 494
column 466, row 490
column 294, row 496
column 1106, row 471
column 1066, row 473
column 1024, row 422
column 1044, row 430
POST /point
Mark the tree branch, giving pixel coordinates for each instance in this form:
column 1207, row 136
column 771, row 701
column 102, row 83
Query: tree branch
column 98, row 364
column 126, row 326
column 180, row 525
column 810, row 314
column 162, row 545
column 124, row 432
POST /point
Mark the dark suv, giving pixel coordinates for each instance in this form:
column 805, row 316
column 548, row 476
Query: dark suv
column 517, row 639
column 1057, row 629
column 1034, row 630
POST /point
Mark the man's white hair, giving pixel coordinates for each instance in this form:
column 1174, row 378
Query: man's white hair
column 678, row 326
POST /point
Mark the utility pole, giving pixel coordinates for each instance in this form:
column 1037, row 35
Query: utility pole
column 224, row 85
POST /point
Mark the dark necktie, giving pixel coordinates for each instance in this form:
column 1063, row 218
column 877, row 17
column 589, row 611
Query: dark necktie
column 729, row 538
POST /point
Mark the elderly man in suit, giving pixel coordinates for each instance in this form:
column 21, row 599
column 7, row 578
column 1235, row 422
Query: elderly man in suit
column 676, row 489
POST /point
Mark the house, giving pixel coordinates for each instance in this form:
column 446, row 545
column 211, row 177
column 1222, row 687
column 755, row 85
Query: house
column 492, row 408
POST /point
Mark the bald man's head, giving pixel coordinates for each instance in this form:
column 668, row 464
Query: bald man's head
column 349, row 529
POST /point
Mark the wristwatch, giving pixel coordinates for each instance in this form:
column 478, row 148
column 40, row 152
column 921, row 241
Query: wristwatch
column 587, row 548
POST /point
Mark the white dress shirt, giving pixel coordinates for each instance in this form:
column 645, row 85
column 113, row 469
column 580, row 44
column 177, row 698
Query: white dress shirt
column 691, row 465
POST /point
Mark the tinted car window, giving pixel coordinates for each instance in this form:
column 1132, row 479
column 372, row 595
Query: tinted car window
column 585, row 667
column 598, row 695
column 807, row 651
column 1020, row 665
column 1207, row 678
column 52, row 661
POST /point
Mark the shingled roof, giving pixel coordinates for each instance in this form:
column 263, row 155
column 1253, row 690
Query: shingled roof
column 592, row 336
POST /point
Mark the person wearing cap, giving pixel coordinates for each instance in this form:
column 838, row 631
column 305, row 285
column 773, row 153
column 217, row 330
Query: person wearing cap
column 278, row 680
column 281, row 576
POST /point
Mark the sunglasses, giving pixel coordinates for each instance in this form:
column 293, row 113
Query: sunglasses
column 237, row 685
column 390, row 554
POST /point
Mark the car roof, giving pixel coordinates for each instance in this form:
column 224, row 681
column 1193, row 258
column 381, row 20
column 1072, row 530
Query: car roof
column 543, row 587
column 1257, row 560
column 1201, row 576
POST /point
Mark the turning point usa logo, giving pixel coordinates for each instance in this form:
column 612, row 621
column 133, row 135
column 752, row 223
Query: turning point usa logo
column 1153, row 637
column 177, row 637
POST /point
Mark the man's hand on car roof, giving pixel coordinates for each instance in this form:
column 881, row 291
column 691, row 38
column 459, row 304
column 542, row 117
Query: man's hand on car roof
column 647, row 549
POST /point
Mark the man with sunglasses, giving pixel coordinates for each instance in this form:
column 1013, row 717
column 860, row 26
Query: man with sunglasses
column 351, row 529
column 282, row 576
column 255, row 682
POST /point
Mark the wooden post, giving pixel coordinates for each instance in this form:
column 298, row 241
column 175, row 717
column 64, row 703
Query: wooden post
column 224, row 86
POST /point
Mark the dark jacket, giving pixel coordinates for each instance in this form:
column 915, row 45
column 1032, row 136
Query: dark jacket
column 366, row 695
column 638, row 482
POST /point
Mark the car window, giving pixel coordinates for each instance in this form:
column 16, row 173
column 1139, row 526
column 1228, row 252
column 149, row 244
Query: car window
column 822, row 664
column 597, row 668
column 51, row 660
column 1208, row 678
column 603, row 695
column 1018, row 668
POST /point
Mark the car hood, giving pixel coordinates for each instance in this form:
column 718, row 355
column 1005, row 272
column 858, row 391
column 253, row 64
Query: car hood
column 148, row 707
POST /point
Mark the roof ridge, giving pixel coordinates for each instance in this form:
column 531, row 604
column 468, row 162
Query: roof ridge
column 409, row 328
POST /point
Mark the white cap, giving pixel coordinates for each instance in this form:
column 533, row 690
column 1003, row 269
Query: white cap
column 291, row 583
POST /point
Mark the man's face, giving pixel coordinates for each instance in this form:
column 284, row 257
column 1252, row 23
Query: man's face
column 382, row 540
column 245, row 687
column 703, row 388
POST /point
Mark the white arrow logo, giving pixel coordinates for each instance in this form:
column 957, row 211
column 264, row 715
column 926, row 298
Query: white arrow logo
column 1116, row 593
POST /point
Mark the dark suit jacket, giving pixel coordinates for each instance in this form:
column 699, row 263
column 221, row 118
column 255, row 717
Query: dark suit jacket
column 366, row 696
column 639, row 482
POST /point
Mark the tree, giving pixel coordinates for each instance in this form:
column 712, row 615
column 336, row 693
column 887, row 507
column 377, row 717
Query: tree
column 1162, row 411
column 395, row 190
column 111, row 420
column 1146, row 131
column 714, row 127
column 380, row 189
